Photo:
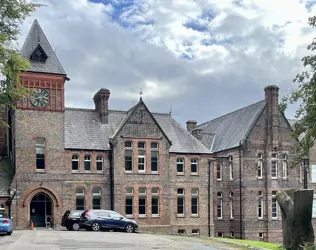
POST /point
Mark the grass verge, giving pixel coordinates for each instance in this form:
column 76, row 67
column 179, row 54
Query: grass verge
column 259, row 244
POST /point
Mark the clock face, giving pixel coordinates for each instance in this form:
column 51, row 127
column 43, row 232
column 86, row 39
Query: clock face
column 40, row 98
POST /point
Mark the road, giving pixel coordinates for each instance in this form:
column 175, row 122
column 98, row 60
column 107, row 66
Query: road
column 53, row 240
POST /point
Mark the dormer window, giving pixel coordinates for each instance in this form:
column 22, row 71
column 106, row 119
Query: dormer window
column 38, row 54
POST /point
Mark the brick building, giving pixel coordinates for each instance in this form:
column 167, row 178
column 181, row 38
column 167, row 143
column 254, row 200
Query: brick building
column 201, row 180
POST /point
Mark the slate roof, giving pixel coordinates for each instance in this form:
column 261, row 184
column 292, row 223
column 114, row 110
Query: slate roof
column 83, row 130
column 37, row 37
column 227, row 131
column 5, row 177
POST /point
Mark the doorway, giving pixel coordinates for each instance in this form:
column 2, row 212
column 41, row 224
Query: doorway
column 41, row 210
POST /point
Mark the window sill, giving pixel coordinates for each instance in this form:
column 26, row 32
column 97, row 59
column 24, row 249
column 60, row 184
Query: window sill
column 274, row 178
column 181, row 174
column 142, row 216
column 74, row 171
column 275, row 218
column 195, row 174
column 231, row 179
column 155, row 216
column 219, row 180
column 180, row 216
column 40, row 170
column 259, row 178
column 231, row 218
column 195, row 216
column 154, row 172
column 260, row 219
column 128, row 172
column 129, row 216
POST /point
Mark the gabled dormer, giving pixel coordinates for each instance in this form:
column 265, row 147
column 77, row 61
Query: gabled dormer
column 38, row 55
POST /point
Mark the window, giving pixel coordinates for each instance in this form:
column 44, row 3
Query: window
column 274, row 166
column 141, row 157
column 284, row 166
column 2, row 207
column 313, row 174
column 232, row 234
column 154, row 157
column 128, row 156
column 142, row 201
column 99, row 163
column 40, row 154
column 75, row 163
column 231, row 169
column 260, row 205
column 80, row 201
column 260, row 236
column 260, row 165
column 181, row 231
column 87, row 163
column 129, row 201
column 196, row 231
column 96, row 202
column 180, row 201
column 274, row 205
column 220, row 234
column 180, row 166
column 155, row 202
column 231, row 205
column 219, row 205
column 219, row 171
column 314, row 206
column 194, row 166
column 194, row 201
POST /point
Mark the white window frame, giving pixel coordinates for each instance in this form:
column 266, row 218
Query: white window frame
column 219, row 204
column 156, row 150
column 129, row 195
column 141, row 163
column 274, row 201
column 260, row 205
column 181, row 195
column 219, row 169
column 231, row 168
column 195, row 194
column 260, row 165
column 87, row 158
column 231, row 205
column 75, row 158
column 274, row 159
column 180, row 160
column 98, row 160
column 314, row 206
column 155, row 194
column 284, row 166
column 143, row 196
column 313, row 172
column 194, row 161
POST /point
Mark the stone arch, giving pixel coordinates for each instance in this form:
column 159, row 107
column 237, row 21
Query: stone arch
column 32, row 191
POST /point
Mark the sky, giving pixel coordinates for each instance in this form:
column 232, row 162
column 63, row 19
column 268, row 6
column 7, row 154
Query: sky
column 198, row 58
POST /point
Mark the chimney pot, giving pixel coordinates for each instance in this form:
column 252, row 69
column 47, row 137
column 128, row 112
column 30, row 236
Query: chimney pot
column 191, row 124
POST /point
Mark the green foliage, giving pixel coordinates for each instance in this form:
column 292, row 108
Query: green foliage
column 12, row 14
column 305, row 94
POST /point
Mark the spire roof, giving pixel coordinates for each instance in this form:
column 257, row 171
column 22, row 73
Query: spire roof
column 38, row 50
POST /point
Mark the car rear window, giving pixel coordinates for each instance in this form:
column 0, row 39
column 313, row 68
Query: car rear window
column 76, row 213
column 3, row 215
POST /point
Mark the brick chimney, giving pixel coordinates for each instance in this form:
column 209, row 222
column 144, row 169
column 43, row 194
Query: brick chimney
column 101, row 101
column 191, row 124
column 272, row 116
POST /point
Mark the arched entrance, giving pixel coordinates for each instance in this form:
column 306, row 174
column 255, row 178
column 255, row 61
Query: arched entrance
column 41, row 210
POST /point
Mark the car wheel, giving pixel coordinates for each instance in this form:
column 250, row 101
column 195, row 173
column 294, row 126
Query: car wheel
column 75, row 227
column 129, row 228
column 9, row 233
column 95, row 226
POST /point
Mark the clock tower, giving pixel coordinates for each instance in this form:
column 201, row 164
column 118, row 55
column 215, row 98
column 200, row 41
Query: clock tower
column 46, row 77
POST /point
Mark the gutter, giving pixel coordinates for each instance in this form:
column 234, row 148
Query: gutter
column 110, row 156
column 240, row 190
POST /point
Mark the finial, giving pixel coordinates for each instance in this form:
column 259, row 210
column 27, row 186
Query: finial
column 140, row 93
column 170, row 110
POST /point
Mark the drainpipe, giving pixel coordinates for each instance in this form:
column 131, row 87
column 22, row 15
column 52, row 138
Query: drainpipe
column 240, row 189
column 110, row 156
column 209, row 198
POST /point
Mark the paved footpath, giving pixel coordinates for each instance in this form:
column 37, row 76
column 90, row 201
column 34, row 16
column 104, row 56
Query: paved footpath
column 53, row 240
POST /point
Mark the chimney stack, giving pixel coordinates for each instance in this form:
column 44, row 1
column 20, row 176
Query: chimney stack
column 191, row 124
column 272, row 98
column 101, row 101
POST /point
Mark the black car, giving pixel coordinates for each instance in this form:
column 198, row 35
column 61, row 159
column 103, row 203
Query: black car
column 97, row 220
column 71, row 219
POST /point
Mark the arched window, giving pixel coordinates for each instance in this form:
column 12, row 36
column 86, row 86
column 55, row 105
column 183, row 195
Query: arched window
column 75, row 163
column 194, row 166
column 99, row 163
column 129, row 200
column 87, row 163
column 180, row 165
column 128, row 156
column 284, row 166
column 195, row 201
column 180, row 202
column 80, row 198
column 141, row 157
column 231, row 167
column 154, row 157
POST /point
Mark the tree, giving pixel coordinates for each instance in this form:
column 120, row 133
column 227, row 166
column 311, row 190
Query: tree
column 12, row 14
column 305, row 94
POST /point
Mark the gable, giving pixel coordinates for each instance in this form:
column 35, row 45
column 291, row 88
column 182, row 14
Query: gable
column 139, row 122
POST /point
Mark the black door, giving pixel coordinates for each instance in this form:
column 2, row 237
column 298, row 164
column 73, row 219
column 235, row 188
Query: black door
column 40, row 210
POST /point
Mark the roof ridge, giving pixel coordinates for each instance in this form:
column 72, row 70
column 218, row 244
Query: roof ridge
column 228, row 114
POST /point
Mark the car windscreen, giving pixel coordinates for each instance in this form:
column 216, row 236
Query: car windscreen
column 3, row 215
column 76, row 213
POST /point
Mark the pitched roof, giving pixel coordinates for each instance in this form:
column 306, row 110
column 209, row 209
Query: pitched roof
column 5, row 177
column 83, row 130
column 227, row 131
column 36, row 39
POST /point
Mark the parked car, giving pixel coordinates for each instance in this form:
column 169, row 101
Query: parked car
column 71, row 219
column 96, row 220
column 5, row 223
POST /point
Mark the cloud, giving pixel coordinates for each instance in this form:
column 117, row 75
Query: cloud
column 204, row 58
